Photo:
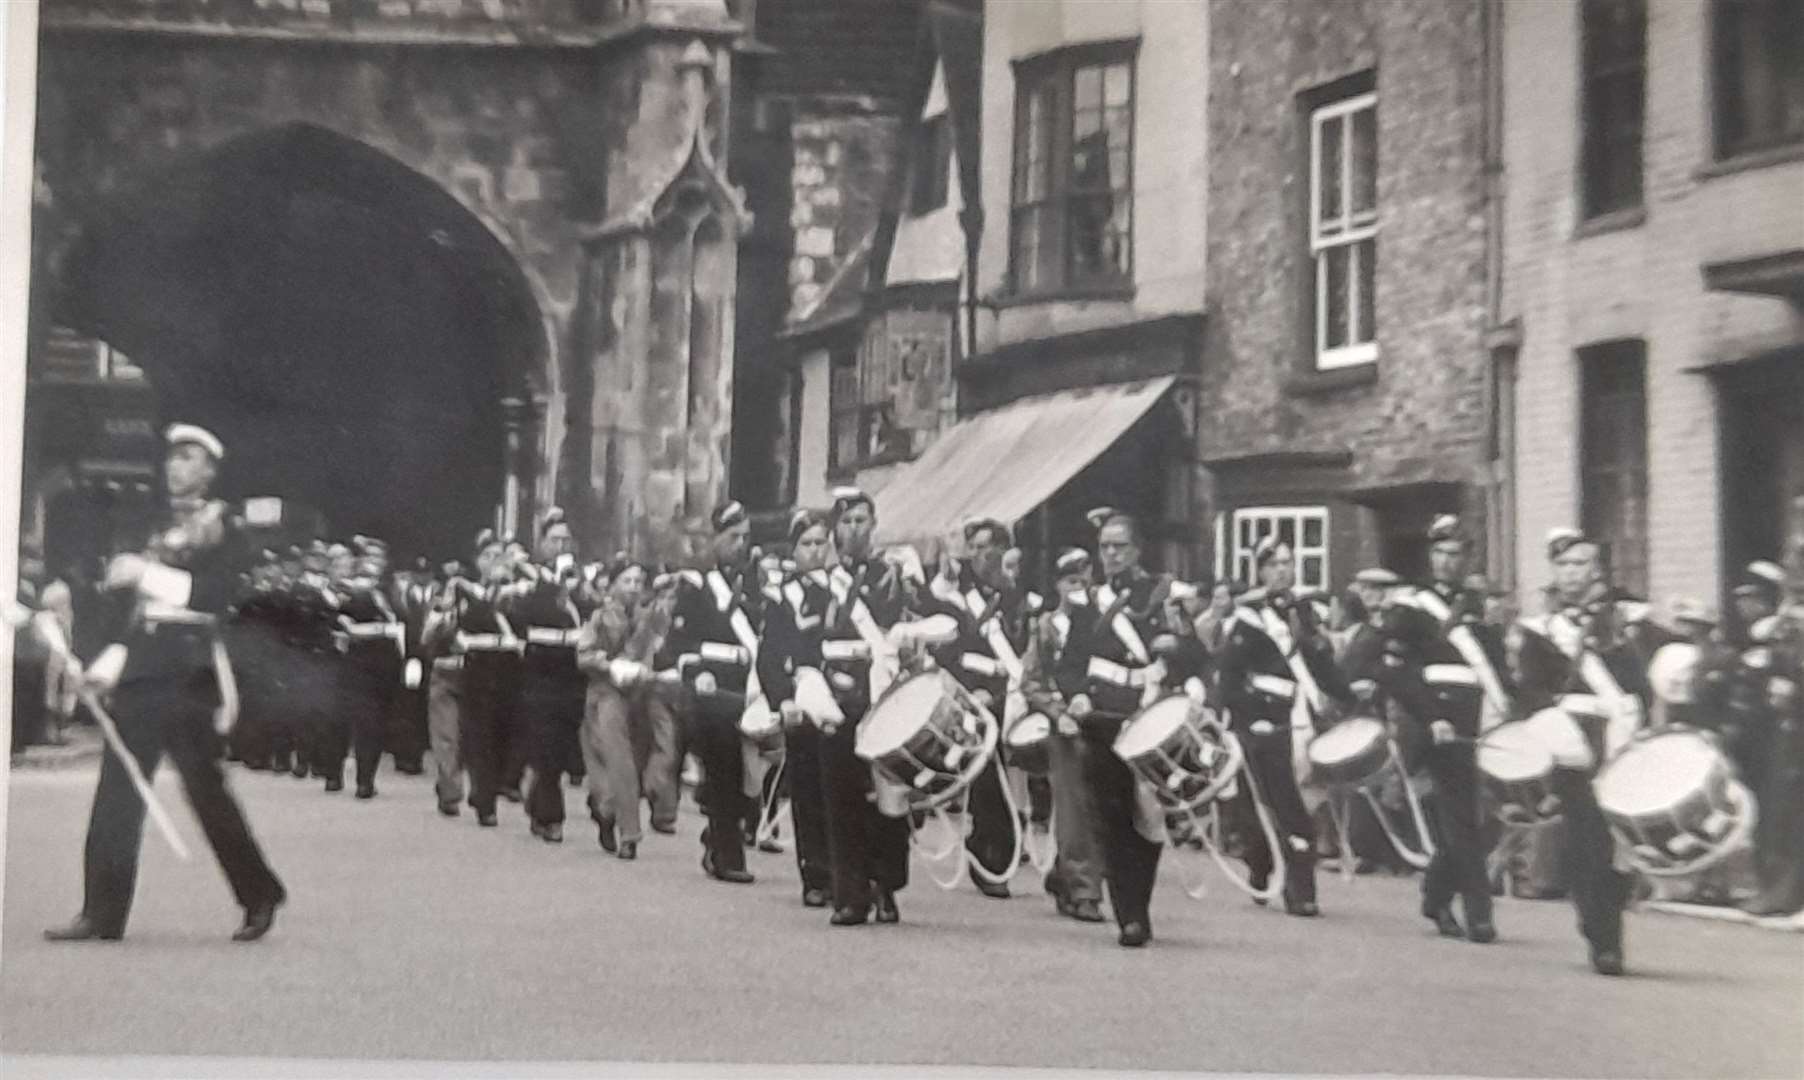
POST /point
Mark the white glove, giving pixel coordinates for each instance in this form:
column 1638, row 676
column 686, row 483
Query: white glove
column 1067, row 726
column 1442, row 730
column 1079, row 707
column 1262, row 727
column 625, row 673
column 705, row 683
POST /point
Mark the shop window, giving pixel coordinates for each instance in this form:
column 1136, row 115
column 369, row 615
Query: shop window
column 1759, row 74
column 1072, row 197
column 1343, row 229
column 1303, row 528
column 1613, row 85
column 1613, row 456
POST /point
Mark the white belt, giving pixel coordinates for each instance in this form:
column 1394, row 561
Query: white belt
column 716, row 652
column 1450, row 675
column 553, row 636
column 176, row 616
column 845, row 650
column 485, row 643
column 375, row 631
column 1275, row 685
column 978, row 664
column 1118, row 674
column 448, row 663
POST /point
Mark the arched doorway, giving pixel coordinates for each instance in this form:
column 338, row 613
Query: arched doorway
column 344, row 324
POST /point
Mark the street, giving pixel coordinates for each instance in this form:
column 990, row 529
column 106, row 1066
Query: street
column 409, row 935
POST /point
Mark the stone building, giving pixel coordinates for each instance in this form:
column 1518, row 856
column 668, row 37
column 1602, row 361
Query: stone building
column 1076, row 385
column 1347, row 378
column 1654, row 260
column 424, row 264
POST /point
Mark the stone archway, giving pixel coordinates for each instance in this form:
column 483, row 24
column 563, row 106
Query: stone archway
column 345, row 324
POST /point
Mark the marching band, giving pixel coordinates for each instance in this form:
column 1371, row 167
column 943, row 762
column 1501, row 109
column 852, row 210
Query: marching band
column 885, row 697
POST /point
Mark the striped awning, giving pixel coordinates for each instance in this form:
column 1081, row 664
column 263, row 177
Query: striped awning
column 1005, row 462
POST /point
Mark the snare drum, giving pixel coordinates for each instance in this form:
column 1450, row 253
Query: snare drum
column 1517, row 769
column 929, row 735
column 1180, row 751
column 1352, row 753
column 1674, row 800
column 762, row 726
column 1028, row 744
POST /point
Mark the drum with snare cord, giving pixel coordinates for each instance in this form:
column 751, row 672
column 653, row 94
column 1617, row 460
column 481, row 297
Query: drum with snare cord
column 1674, row 800
column 1180, row 751
column 1027, row 745
column 1352, row 753
column 930, row 736
column 1517, row 769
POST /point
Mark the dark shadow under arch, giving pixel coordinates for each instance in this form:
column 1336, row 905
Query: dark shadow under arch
column 347, row 327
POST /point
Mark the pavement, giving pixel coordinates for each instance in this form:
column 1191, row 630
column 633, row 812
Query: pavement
column 413, row 936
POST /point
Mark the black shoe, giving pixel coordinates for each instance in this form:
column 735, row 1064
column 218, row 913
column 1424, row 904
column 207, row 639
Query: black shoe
column 300, row 772
column 1258, row 883
column 771, row 847
column 1482, row 933
column 486, row 820
column 511, row 794
column 1606, row 961
column 629, row 850
column 412, row 768
column 1062, row 905
column 604, row 835
column 1086, row 911
column 449, row 809
column 734, row 877
column 551, row 832
column 887, row 912
column 82, row 929
column 1446, row 925
column 993, row 890
column 1135, row 934
column 814, row 898
column 335, row 784
column 850, row 916
column 668, row 828
column 1303, row 909
column 366, row 791
column 257, row 921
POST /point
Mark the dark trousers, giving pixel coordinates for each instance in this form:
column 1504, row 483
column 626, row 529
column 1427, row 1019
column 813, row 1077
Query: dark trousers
column 1130, row 861
column 714, row 738
column 553, row 710
column 478, row 730
column 1458, row 865
column 513, row 733
column 1078, row 871
column 992, row 839
column 1779, row 830
column 1599, row 892
column 867, row 849
column 28, row 704
column 154, row 718
column 357, row 726
column 407, row 738
column 802, row 762
column 1268, row 760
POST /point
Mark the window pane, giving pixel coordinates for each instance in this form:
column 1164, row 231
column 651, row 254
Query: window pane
column 1366, row 254
column 1364, row 197
column 1087, row 90
column 1310, row 573
column 1098, row 236
column 1025, row 234
column 1119, row 84
column 1333, row 263
column 1287, row 532
column 1244, row 530
column 1312, row 531
column 1328, row 179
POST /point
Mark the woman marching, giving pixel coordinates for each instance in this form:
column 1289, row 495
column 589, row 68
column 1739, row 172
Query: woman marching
column 613, row 651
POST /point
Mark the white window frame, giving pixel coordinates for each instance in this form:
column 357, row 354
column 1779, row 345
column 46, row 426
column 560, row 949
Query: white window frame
column 1232, row 559
column 1348, row 230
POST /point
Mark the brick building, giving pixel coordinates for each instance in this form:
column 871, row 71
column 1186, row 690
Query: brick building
column 1654, row 256
column 1347, row 383
column 1076, row 385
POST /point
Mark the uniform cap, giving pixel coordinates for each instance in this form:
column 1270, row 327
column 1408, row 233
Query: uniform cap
column 1445, row 527
column 1379, row 577
column 845, row 498
column 728, row 515
column 977, row 525
column 1073, row 561
column 1268, row 546
column 195, row 435
column 1689, row 609
column 1766, row 572
column 1564, row 538
column 1100, row 516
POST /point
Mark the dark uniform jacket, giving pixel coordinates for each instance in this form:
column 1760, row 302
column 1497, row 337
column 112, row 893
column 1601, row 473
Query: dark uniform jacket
column 1050, row 678
column 1425, row 673
column 1256, row 679
column 972, row 659
column 202, row 542
column 847, row 655
column 795, row 629
column 545, row 608
column 701, row 631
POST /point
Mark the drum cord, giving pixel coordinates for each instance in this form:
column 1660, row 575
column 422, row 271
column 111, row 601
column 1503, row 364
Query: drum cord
column 1040, row 855
column 1340, row 811
column 770, row 804
column 1267, row 825
column 965, row 862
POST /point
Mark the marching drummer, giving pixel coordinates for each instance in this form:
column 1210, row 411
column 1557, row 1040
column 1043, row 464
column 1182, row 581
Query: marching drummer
column 1583, row 646
column 1278, row 677
column 1049, row 680
column 1125, row 650
column 1444, row 666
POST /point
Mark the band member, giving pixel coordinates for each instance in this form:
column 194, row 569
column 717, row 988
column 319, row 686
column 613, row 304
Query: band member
column 1772, row 670
column 1583, row 645
column 868, row 847
column 794, row 639
column 1278, row 679
column 1126, row 651
column 709, row 647
column 552, row 690
column 411, row 596
column 994, row 619
column 1445, row 667
column 612, row 651
column 372, row 671
column 167, row 672
column 1075, row 880
column 472, row 643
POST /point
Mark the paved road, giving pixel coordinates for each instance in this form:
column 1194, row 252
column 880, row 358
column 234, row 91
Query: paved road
column 412, row 936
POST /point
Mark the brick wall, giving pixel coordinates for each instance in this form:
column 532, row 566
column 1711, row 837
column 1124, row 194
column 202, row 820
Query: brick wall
column 1642, row 280
column 1421, row 415
column 841, row 166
